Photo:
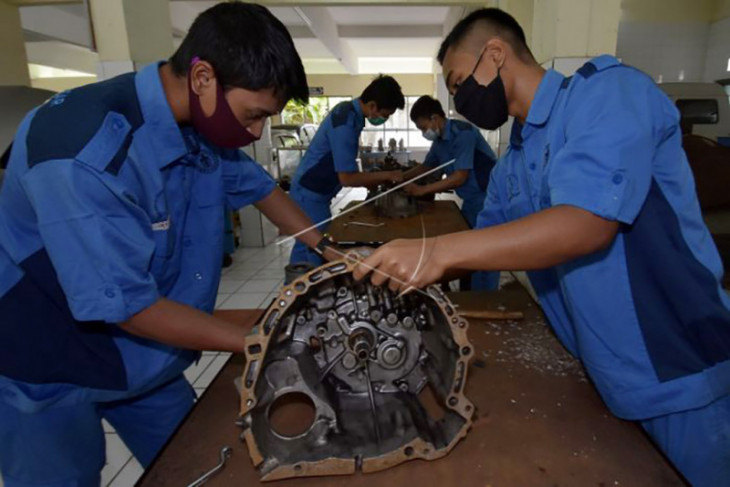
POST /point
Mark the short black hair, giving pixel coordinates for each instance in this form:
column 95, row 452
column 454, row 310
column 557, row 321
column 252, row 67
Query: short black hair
column 385, row 92
column 426, row 107
column 503, row 24
column 248, row 48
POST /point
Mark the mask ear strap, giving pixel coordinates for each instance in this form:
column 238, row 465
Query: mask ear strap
column 479, row 60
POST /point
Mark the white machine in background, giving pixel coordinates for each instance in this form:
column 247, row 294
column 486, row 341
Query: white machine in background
column 256, row 229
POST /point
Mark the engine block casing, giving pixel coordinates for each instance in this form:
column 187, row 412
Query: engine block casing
column 344, row 376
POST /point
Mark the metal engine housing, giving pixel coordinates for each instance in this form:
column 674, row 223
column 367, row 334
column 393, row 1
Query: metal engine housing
column 382, row 377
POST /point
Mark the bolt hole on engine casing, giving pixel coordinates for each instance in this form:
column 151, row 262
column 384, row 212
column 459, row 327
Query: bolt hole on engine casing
column 343, row 376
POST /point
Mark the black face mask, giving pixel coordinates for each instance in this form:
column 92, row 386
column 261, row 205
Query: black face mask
column 484, row 106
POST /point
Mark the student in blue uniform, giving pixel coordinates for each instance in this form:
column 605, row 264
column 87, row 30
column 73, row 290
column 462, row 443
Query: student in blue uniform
column 469, row 174
column 111, row 238
column 596, row 199
column 330, row 161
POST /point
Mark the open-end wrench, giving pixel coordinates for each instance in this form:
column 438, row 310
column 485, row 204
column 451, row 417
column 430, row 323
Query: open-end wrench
column 226, row 453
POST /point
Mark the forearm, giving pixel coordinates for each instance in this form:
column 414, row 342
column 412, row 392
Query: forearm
column 183, row 326
column 288, row 217
column 442, row 185
column 415, row 172
column 366, row 179
column 538, row 241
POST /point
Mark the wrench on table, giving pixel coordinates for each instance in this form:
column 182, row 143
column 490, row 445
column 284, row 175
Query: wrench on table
column 225, row 454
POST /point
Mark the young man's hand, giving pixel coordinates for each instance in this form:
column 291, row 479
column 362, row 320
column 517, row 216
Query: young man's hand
column 333, row 253
column 404, row 264
column 394, row 176
column 414, row 189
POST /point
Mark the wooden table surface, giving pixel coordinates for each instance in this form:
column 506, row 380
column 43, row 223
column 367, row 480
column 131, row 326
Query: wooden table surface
column 436, row 218
column 539, row 421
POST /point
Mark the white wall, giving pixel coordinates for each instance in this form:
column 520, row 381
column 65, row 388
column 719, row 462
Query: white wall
column 667, row 51
column 718, row 51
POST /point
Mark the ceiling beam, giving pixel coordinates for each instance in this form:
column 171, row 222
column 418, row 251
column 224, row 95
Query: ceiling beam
column 320, row 22
column 62, row 55
column 389, row 31
column 52, row 22
column 300, row 32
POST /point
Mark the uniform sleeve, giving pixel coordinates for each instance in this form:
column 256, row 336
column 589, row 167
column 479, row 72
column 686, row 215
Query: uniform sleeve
column 605, row 165
column 245, row 181
column 464, row 147
column 345, row 143
column 99, row 241
column 493, row 210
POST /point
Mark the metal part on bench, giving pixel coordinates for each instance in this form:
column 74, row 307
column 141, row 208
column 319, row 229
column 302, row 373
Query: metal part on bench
column 344, row 376
column 396, row 204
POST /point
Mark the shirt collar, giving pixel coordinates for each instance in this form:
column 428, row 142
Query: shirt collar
column 545, row 98
column 165, row 137
column 515, row 136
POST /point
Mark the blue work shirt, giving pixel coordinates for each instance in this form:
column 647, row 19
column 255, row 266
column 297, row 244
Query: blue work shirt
column 333, row 150
column 647, row 316
column 107, row 205
column 463, row 142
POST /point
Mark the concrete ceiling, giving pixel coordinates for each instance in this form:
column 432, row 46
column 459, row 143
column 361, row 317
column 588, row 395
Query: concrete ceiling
column 331, row 36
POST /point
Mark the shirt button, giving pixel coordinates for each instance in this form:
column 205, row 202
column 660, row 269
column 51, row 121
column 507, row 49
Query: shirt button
column 198, row 276
column 118, row 125
column 109, row 293
column 187, row 242
column 532, row 166
column 617, row 179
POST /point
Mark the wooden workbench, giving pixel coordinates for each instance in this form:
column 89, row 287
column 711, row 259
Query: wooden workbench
column 539, row 422
column 439, row 218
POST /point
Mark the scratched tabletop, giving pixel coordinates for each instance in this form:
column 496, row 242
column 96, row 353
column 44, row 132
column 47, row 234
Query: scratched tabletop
column 435, row 218
column 539, row 421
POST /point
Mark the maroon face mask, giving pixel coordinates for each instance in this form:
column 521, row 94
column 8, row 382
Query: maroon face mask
column 222, row 128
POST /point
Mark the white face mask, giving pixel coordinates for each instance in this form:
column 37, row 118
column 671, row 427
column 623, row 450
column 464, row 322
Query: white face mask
column 431, row 135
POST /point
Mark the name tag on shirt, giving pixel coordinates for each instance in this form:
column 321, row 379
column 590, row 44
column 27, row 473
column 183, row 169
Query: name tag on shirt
column 161, row 226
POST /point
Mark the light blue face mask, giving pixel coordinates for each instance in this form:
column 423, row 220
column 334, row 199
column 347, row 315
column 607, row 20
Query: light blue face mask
column 431, row 135
column 377, row 121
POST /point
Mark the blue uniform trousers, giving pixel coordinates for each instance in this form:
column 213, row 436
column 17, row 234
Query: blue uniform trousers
column 480, row 281
column 697, row 442
column 317, row 208
column 65, row 446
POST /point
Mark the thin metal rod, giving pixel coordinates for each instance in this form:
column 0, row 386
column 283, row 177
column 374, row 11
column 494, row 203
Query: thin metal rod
column 343, row 213
column 329, row 366
column 371, row 395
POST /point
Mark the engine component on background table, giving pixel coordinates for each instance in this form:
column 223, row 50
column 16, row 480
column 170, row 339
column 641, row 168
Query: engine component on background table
column 344, row 376
column 396, row 204
column 292, row 271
